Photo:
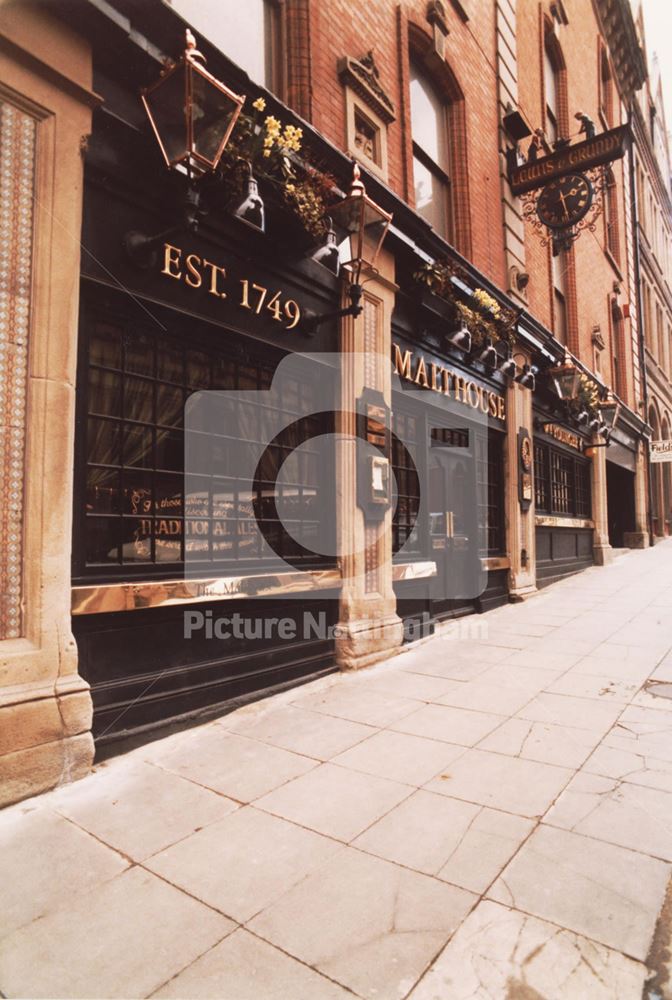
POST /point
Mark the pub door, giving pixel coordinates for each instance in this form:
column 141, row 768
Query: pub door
column 453, row 523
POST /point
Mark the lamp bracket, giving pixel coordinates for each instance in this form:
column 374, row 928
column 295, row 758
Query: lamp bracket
column 142, row 249
column 312, row 321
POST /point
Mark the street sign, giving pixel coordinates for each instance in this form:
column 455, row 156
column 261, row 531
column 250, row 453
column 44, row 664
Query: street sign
column 661, row 451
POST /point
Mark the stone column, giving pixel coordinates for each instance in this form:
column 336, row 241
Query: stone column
column 45, row 105
column 369, row 627
column 520, row 536
column 601, row 548
column 639, row 538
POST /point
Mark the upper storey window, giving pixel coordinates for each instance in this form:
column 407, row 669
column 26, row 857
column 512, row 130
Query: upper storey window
column 431, row 160
column 551, row 95
column 245, row 32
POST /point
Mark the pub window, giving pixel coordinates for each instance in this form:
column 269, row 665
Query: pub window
column 406, row 428
column 561, row 482
column 431, row 154
column 133, row 514
column 248, row 33
column 491, row 494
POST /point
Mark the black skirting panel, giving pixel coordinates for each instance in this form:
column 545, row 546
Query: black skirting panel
column 145, row 674
column 562, row 552
column 420, row 612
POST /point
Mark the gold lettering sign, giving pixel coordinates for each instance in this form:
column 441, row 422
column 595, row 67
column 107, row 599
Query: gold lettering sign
column 602, row 149
column 202, row 274
column 445, row 381
column 563, row 435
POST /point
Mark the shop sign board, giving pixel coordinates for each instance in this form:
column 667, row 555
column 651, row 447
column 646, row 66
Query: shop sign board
column 661, row 451
column 603, row 148
column 413, row 367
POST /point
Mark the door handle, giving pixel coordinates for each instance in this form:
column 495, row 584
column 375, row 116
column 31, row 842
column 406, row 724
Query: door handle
column 450, row 524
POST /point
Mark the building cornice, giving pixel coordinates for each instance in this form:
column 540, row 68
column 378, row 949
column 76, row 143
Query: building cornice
column 620, row 33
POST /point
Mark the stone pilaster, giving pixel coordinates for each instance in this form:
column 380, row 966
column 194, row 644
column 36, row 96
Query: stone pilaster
column 602, row 551
column 45, row 106
column 369, row 627
column 639, row 538
column 520, row 524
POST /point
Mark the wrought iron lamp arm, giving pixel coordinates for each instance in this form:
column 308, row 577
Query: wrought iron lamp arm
column 312, row 322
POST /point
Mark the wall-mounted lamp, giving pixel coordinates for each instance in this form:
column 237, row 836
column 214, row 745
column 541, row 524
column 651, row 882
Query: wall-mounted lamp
column 609, row 407
column 488, row 356
column 192, row 115
column 565, row 379
column 527, row 377
column 251, row 208
column 508, row 366
column 461, row 339
column 327, row 254
column 362, row 225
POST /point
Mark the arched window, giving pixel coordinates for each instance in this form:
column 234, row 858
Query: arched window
column 440, row 172
column 431, row 154
column 555, row 89
column 606, row 89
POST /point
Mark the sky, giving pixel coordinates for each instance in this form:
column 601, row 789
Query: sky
column 658, row 31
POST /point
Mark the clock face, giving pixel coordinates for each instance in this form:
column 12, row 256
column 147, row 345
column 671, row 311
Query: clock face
column 564, row 202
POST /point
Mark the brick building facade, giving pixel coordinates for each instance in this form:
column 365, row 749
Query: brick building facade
column 499, row 486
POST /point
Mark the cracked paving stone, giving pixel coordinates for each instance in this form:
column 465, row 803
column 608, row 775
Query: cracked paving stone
column 607, row 893
column 366, row 923
column 502, row 953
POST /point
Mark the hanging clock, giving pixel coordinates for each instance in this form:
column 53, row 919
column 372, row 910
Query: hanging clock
column 565, row 201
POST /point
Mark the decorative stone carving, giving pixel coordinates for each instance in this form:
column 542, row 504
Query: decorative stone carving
column 363, row 76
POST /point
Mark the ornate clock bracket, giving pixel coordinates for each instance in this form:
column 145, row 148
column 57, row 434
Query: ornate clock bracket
column 539, row 182
column 561, row 238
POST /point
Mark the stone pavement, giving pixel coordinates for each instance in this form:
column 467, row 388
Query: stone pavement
column 477, row 818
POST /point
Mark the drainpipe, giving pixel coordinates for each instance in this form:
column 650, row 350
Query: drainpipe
column 640, row 313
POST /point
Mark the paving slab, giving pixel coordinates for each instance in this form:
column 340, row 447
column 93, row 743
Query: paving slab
column 123, row 939
column 607, row 893
column 486, row 817
column 499, row 952
column 376, row 937
column 243, row 863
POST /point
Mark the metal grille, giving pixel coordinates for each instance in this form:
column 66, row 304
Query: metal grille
column 561, row 483
column 135, row 511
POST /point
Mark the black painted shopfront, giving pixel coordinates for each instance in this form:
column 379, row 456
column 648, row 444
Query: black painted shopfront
column 150, row 337
column 563, row 501
column 454, row 427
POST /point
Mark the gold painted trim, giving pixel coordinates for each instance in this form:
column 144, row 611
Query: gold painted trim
column 413, row 571
column 162, row 593
column 496, row 562
column 562, row 522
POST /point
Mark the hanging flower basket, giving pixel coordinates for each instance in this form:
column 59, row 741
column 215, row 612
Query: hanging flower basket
column 295, row 191
column 483, row 315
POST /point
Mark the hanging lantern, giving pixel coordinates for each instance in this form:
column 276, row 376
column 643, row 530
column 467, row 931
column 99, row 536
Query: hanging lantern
column 191, row 112
column 364, row 225
column 565, row 378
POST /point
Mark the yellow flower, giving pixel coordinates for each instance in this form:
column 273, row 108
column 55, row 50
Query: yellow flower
column 272, row 125
column 259, row 104
column 290, row 187
column 267, row 152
